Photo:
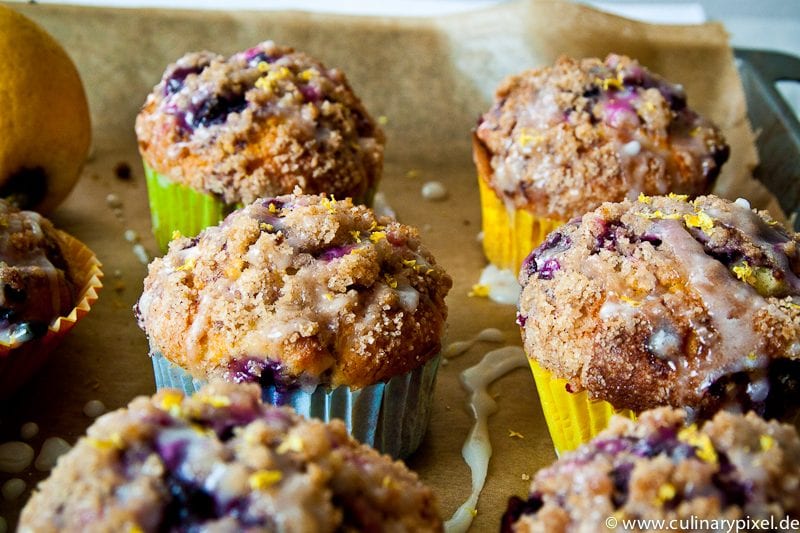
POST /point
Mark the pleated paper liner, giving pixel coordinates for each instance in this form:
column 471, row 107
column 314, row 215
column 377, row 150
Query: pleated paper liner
column 572, row 418
column 19, row 360
column 509, row 236
column 176, row 207
column 391, row 417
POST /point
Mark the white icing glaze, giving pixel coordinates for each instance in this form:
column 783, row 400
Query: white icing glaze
column 28, row 430
column 381, row 206
column 631, row 148
column 731, row 305
column 52, row 449
column 15, row 457
column 456, row 348
column 477, row 449
column 503, row 285
column 94, row 408
column 434, row 190
column 13, row 489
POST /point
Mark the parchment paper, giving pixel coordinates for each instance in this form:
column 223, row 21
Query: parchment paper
column 431, row 78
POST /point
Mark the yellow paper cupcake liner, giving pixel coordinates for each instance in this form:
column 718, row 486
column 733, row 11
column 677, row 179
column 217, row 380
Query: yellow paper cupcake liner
column 175, row 207
column 510, row 236
column 572, row 418
column 19, row 360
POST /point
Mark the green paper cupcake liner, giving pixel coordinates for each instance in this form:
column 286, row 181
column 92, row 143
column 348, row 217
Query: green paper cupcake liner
column 175, row 207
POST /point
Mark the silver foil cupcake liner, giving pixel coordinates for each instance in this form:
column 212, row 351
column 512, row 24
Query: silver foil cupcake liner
column 392, row 417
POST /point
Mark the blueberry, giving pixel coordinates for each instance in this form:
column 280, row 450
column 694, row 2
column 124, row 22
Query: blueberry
column 549, row 268
column 174, row 82
column 517, row 507
column 311, row 93
column 621, row 477
column 188, row 504
column 214, row 110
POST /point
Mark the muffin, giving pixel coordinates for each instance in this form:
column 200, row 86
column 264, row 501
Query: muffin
column 561, row 140
column 223, row 461
column 331, row 309
column 732, row 468
column 662, row 301
column 219, row 132
column 49, row 281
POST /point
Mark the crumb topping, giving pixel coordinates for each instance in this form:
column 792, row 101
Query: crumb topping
column 732, row 467
column 223, row 461
column 662, row 301
column 260, row 123
column 561, row 140
column 297, row 291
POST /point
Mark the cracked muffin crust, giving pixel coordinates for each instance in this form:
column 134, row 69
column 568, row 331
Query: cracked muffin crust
column 37, row 285
column 260, row 123
column 732, row 467
column 223, row 461
column 662, row 301
column 561, row 140
column 297, row 290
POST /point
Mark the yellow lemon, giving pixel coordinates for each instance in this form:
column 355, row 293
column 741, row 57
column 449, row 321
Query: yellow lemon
column 45, row 128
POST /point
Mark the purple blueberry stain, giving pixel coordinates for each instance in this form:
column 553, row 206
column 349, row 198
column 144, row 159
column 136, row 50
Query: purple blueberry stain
column 336, row 252
column 621, row 478
column 256, row 55
column 541, row 260
column 311, row 94
column 214, row 110
column 174, row 82
column 521, row 319
column 549, row 268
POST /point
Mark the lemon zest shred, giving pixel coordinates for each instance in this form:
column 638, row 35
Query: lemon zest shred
column 666, row 492
column 292, row 443
column 187, row 265
column 701, row 442
column 699, row 220
column 479, row 290
column 264, row 479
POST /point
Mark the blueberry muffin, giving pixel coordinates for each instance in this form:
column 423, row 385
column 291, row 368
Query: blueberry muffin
column 223, row 461
column 561, row 140
column 217, row 132
column 663, row 301
column 37, row 282
column 307, row 296
column 731, row 468
column 49, row 280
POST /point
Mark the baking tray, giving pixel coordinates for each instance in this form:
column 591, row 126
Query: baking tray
column 775, row 124
column 450, row 83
